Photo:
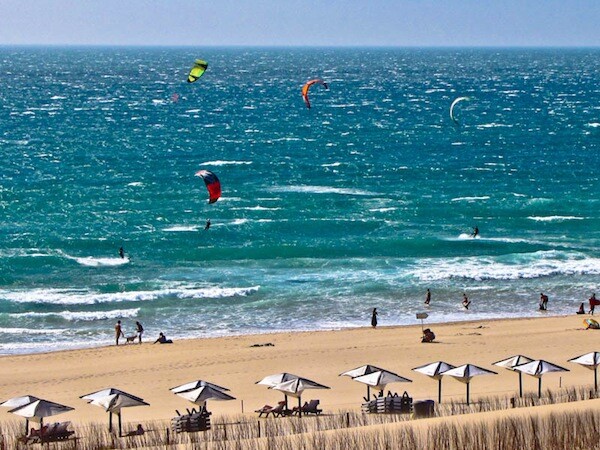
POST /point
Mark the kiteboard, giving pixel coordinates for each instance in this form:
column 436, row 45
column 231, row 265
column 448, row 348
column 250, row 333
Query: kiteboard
column 591, row 323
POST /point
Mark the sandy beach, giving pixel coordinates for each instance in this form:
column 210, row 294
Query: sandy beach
column 149, row 370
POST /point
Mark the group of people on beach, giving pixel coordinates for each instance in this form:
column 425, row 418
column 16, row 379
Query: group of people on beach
column 593, row 301
column 139, row 331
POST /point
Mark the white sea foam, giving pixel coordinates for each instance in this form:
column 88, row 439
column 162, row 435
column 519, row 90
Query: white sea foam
column 86, row 316
column 554, row 218
column 82, row 297
column 182, row 228
column 30, row 331
column 225, row 163
column 90, row 261
column 470, row 199
column 322, row 190
column 594, row 124
column 135, row 184
column 522, row 266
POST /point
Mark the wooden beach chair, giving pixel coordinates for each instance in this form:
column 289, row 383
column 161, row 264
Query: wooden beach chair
column 308, row 408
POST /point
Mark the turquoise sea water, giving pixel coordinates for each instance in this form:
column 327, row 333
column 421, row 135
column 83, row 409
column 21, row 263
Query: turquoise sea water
column 363, row 201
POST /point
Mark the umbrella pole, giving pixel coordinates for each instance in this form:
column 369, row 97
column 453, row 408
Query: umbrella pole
column 440, row 390
column 468, row 393
column 596, row 378
column 119, row 423
column 286, row 403
column 110, row 422
column 299, row 407
column 540, row 387
column 520, row 384
column 26, row 427
column 368, row 392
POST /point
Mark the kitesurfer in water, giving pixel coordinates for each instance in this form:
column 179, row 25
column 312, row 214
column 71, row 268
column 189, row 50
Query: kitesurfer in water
column 475, row 232
column 207, row 226
column 122, row 253
column 466, row 302
column 428, row 297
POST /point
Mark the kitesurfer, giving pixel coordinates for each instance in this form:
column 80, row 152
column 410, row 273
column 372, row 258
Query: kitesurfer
column 475, row 232
column 122, row 253
column 543, row 302
column 207, row 226
column 593, row 302
column 428, row 297
column 466, row 302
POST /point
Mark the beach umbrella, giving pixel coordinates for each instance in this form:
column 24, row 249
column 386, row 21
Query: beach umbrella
column 15, row 402
column 272, row 380
column 362, row 370
column 466, row 372
column 296, row 387
column 200, row 395
column 538, row 369
column 113, row 404
column 380, row 379
column 112, row 400
column 434, row 370
column 511, row 363
column 195, row 385
column 38, row 409
column 590, row 360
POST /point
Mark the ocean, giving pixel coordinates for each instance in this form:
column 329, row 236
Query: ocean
column 365, row 200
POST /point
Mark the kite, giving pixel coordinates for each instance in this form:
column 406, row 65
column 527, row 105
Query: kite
column 453, row 105
column 212, row 184
column 197, row 71
column 307, row 86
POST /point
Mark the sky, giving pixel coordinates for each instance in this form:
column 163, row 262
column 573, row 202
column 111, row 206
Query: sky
column 403, row 23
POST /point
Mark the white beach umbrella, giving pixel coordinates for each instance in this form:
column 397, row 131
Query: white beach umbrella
column 296, row 387
column 511, row 363
column 272, row 380
column 38, row 409
column 113, row 400
column 362, row 370
column 434, row 370
column 15, row 402
column 200, row 395
column 466, row 372
column 538, row 369
column 590, row 360
column 380, row 379
column 195, row 385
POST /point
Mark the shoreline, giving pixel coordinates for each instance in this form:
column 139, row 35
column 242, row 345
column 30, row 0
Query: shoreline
column 149, row 370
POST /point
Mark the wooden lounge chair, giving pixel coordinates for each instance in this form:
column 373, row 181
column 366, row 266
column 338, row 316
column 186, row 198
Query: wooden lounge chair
column 49, row 433
column 277, row 411
column 308, row 408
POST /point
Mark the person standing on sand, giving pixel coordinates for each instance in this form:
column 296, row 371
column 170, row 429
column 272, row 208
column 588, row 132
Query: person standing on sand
column 593, row 303
column 140, row 330
column 118, row 332
column 428, row 297
column 374, row 318
column 466, row 302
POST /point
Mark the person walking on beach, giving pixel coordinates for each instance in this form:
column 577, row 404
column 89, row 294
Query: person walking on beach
column 118, row 332
column 593, row 302
column 428, row 297
column 466, row 302
column 543, row 302
column 140, row 330
column 374, row 318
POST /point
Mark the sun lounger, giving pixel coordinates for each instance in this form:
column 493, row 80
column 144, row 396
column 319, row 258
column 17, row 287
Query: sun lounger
column 308, row 408
column 49, row 433
column 277, row 411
